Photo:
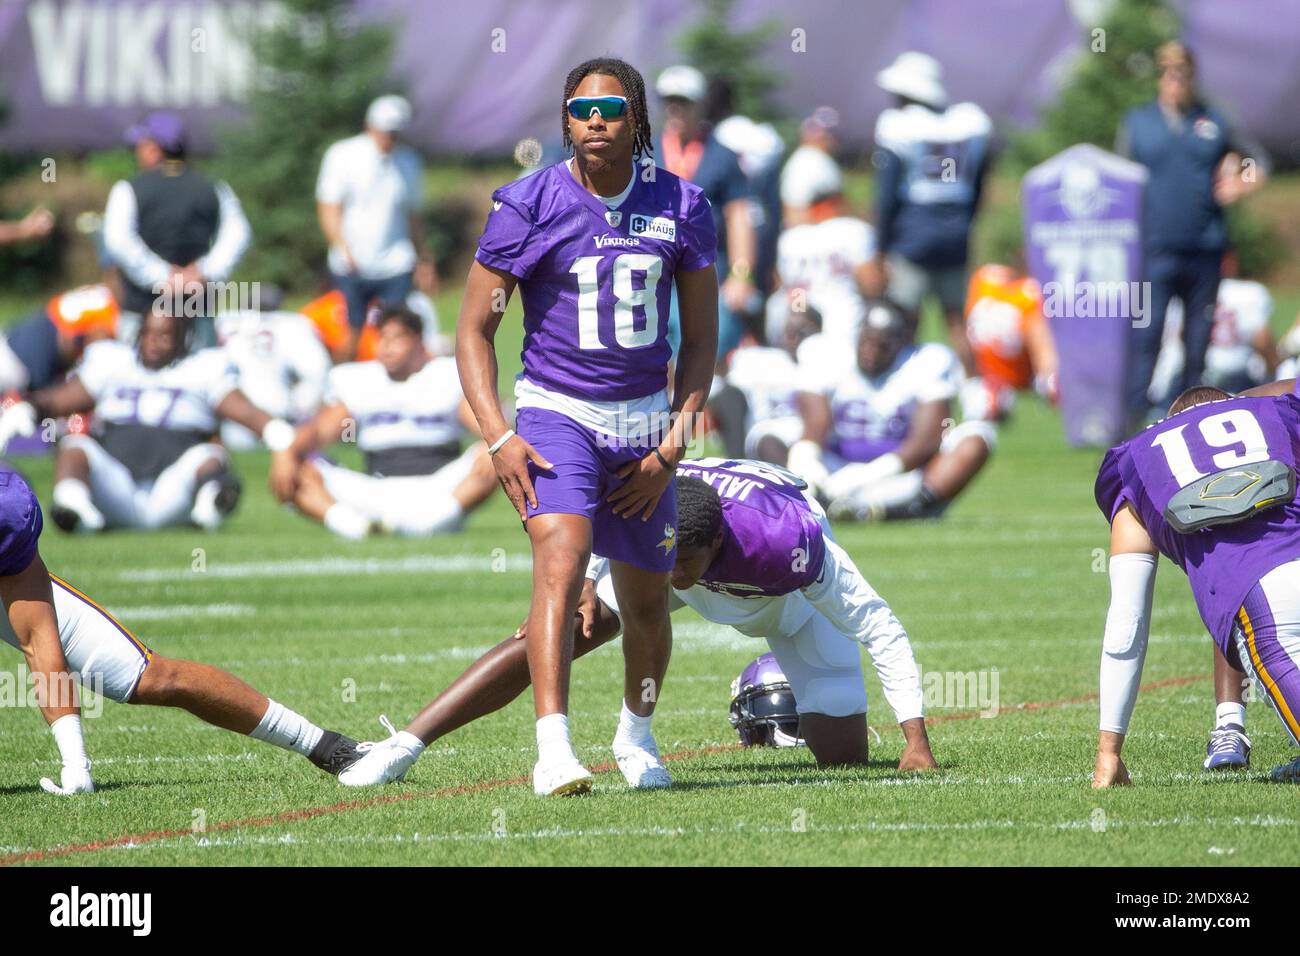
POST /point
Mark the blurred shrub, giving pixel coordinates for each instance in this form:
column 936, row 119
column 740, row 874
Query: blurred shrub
column 318, row 70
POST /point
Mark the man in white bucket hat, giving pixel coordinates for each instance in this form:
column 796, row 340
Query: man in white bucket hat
column 931, row 158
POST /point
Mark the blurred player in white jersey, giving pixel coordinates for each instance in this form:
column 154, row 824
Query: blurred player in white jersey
column 68, row 639
column 766, row 382
column 406, row 413
column 1241, row 353
column 931, row 159
column 877, row 438
column 279, row 360
column 823, row 261
column 153, row 460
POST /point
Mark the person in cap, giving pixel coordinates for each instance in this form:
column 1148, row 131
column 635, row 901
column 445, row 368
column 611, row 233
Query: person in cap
column 688, row 148
column 1196, row 167
column 169, row 230
column 368, row 200
column 931, row 159
column 810, row 165
column 38, row 351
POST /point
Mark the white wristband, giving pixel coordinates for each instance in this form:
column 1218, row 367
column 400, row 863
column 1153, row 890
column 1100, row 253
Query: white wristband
column 496, row 445
column 278, row 435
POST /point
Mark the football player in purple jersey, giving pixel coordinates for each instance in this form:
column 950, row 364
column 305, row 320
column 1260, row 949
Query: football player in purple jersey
column 595, row 245
column 1212, row 487
column 754, row 554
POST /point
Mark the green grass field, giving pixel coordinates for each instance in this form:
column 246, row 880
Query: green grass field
column 346, row 631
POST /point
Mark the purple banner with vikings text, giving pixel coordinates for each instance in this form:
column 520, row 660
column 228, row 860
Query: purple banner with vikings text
column 483, row 74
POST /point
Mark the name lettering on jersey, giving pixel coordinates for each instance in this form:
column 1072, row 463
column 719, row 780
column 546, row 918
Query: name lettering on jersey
column 654, row 227
column 727, row 486
column 606, row 241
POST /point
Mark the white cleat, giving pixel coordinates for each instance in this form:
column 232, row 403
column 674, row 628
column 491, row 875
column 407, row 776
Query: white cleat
column 561, row 778
column 383, row 761
column 641, row 766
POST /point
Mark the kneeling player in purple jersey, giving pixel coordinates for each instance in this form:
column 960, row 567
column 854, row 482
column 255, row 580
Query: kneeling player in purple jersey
column 595, row 245
column 67, row 638
column 752, row 553
column 1212, row 487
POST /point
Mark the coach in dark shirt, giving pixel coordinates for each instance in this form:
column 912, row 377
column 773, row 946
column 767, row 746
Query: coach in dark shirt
column 1196, row 168
column 169, row 226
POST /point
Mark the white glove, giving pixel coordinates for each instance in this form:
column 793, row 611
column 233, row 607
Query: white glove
column 805, row 460
column 863, row 474
column 74, row 779
column 17, row 419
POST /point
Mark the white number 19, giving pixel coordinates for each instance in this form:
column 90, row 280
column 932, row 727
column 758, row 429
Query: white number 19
column 1225, row 430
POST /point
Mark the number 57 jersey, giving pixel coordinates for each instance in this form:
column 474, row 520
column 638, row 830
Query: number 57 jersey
column 1222, row 457
column 596, row 280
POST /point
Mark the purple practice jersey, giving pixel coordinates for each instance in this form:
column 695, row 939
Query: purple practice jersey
column 596, row 283
column 772, row 541
column 20, row 522
column 1225, row 561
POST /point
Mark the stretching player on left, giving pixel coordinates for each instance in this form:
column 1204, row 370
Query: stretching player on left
column 67, row 637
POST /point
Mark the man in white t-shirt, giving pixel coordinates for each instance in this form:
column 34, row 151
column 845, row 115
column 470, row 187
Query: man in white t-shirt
column 368, row 198
column 406, row 413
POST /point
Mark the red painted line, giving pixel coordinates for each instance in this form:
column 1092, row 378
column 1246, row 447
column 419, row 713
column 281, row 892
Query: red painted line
column 310, row 813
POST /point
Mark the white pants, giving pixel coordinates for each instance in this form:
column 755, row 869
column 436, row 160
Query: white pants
column 100, row 652
column 824, row 668
column 167, row 500
column 843, row 481
column 394, row 500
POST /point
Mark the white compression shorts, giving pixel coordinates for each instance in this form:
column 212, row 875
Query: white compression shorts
column 106, row 657
column 824, row 667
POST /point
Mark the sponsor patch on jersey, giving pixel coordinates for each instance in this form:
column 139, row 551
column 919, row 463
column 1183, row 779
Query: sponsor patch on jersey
column 654, row 227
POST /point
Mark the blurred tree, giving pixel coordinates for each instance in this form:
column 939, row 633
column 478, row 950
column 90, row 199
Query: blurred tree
column 318, row 69
column 718, row 48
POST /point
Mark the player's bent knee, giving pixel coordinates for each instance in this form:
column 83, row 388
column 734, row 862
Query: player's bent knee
column 159, row 684
column 834, row 697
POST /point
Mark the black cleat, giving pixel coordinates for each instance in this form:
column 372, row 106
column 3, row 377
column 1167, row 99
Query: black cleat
column 335, row 753
column 65, row 519
column 229, row 490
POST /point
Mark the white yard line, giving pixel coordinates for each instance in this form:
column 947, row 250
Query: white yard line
column 302, row 567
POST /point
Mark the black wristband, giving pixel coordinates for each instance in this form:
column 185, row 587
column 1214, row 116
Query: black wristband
column 662, row 460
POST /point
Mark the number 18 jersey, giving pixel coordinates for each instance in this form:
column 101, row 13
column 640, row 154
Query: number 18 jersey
column 1225, row 561
column 596, row 282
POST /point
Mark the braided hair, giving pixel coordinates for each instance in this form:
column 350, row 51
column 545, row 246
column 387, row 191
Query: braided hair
column 633, row 89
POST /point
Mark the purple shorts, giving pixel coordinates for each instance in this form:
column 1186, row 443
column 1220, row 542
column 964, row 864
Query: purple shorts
column 585, row 464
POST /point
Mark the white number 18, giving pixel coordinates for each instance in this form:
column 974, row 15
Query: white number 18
column 626, row 299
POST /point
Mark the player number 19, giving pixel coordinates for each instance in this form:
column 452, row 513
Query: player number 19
column 626, row 299
column 1235, row 430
